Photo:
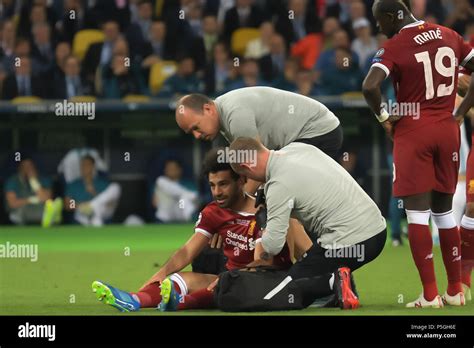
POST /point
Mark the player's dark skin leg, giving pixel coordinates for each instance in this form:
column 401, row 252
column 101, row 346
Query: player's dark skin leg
column 439, row 202
column 469, row 210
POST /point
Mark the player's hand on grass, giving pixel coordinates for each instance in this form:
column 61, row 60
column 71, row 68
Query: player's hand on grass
column 216, row 241
column 213, row 285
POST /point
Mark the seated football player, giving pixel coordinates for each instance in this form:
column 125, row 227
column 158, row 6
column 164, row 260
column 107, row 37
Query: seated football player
column 232, row 216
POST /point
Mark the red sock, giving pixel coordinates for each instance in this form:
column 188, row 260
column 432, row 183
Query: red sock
column 150, row 296
column 200, row 299
column 421, row 246
column 450, row 241
column 467, row 252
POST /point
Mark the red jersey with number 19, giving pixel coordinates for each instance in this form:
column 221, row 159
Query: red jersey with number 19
column 423, row 60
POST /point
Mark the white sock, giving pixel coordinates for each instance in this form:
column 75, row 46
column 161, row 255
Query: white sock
column 418, row 217
column 444, row 220
column 176, row 278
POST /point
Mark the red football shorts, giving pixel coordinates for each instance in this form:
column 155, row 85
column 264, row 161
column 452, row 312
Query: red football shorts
column 427, row 159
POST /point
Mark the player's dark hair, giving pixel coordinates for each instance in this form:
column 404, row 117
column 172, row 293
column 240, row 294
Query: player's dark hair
column 88, row 157
column 194, row 101
column 212, row 163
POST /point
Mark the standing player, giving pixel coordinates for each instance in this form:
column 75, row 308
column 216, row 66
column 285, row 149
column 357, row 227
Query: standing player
column 467, row 222
column 423, row 60
column 232, row 215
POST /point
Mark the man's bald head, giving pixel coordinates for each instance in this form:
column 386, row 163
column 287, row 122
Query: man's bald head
column 197, row 114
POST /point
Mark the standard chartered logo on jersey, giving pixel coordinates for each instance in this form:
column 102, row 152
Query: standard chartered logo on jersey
column 239, row 242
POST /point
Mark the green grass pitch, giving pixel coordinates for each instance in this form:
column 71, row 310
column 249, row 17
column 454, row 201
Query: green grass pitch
column 71, row 257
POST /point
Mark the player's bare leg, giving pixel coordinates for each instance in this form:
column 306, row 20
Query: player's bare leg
column 418, row 211
column 450, row 242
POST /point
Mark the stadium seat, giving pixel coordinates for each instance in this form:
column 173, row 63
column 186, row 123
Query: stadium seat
column 83, row 39
column 136, row 98
column 240, row 39
column 159, row 72
column 26, row 100
column 83, row 99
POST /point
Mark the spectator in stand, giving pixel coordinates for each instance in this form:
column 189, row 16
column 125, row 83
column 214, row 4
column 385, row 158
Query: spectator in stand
column 326, row 60
column 160, row 47
column 357, row 10
column 287, row 80
column 71, row 84
column 10, row 8
column 22, row 49
column 202, row 47
column 43, row 49
column 23, row 83
column 219, row 71
column 330, row 26
column 243, row 15
column 184, row 81
column 249, row 76
column 122, row 76
column 138, row 33
column 26, row 194
column 100, row 54
column 7, row 43
column 93, row 198
column 74, row 18
column 298, row 20
column 463, row 13
column 305, row 83
column 346, row 77
column 365, row 44
column 30, row 16
column 62, row 51
column 172, row 200
column 259, row 47
column 273, row 64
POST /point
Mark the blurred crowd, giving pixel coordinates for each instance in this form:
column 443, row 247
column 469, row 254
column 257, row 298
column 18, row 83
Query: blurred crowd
column 164, row 48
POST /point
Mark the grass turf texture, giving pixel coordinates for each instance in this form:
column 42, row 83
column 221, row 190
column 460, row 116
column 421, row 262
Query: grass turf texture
column 70, row 258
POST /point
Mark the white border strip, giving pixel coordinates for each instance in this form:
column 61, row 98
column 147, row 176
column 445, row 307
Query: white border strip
column 383, row 67
column 204, row 232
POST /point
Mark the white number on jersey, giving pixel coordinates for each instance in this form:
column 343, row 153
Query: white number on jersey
column 446, row 71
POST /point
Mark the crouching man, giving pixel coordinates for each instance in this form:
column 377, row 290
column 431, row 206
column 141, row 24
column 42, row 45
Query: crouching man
column 345, row 225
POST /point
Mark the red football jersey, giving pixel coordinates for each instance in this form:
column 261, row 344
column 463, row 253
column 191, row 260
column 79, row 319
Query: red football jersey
column 238, row 232
column 423, row 60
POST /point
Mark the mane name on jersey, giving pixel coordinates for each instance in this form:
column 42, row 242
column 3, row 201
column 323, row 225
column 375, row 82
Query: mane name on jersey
column 429, row 35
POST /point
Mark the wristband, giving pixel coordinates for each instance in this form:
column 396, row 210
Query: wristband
column 384, row 115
